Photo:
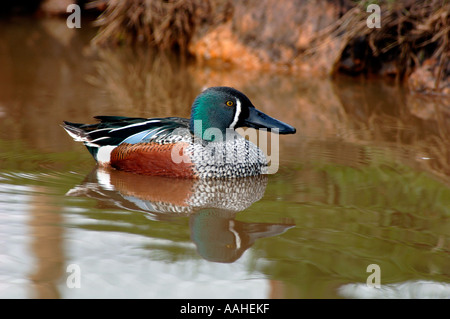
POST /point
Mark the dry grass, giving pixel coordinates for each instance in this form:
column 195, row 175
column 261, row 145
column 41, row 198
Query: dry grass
column 163, row 24
column 411, row 32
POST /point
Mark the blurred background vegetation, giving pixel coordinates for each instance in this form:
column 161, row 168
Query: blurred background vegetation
column 313, row 37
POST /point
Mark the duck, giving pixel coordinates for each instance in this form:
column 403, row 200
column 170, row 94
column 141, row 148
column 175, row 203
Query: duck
column 205, row 146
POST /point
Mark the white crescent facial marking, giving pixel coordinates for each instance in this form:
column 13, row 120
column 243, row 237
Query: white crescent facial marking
column 237, row 114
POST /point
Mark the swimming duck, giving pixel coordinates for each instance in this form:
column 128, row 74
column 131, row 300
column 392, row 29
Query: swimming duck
column 204, row 146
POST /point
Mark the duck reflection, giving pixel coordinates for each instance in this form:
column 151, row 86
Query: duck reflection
column 210, row 205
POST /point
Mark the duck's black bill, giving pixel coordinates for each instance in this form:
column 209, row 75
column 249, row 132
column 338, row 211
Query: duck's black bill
column 257, row 119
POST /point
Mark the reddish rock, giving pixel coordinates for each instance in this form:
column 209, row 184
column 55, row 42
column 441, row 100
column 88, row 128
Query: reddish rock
column 272, row 34
column 429, row 77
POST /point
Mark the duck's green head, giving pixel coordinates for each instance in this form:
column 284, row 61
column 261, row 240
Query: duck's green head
column 221, row 108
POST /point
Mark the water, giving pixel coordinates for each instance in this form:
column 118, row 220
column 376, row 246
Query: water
column 364, row 181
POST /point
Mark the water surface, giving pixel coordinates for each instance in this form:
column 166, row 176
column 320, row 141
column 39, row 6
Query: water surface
column 364, row 181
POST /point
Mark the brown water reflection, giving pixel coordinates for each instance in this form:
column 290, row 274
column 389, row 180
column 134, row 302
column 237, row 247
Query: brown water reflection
column 416, row 126
column 47, row 247
column 365, row 179
column 62, row 78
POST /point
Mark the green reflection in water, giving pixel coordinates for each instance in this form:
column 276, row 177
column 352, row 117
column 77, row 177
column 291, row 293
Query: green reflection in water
column 388, row 215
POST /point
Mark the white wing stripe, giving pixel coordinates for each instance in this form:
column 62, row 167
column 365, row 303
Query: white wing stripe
column 133, row 125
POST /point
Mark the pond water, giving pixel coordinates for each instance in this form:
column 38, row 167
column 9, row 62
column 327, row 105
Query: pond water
column 365, row 181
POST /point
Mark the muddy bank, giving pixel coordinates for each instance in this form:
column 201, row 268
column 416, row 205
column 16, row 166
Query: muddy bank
column 408, row 40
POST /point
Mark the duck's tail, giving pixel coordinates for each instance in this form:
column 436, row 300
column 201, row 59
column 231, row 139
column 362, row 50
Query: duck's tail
column 76, row 132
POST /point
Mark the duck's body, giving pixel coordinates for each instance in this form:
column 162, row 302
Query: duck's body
column 205, row 146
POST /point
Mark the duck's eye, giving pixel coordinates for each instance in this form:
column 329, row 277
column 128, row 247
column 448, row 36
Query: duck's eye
column 230, row 103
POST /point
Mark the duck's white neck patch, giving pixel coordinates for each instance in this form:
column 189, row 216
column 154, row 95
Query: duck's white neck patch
column 237, row 114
